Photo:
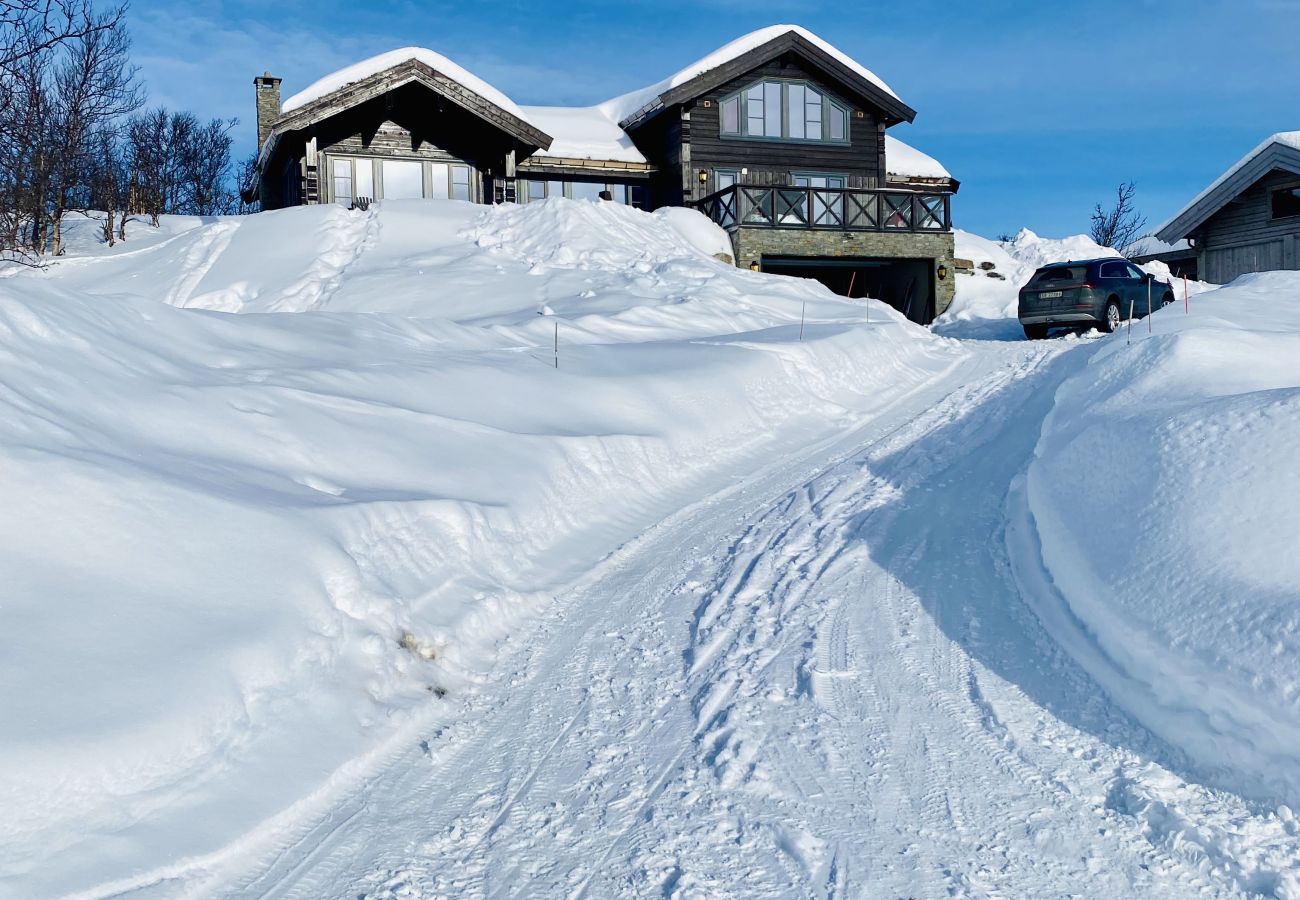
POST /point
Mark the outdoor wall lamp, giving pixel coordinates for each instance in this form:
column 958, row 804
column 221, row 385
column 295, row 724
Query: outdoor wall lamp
column 754, row 266
column 943, row 272
column 704, row 176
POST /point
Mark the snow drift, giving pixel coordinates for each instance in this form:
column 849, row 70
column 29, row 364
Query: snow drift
column 1164, row 495
column 242, row 550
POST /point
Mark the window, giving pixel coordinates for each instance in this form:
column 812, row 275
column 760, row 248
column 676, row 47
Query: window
column 585, row 190
column 460, row 183
column 534, row 190
column 1113, row 270
column 1134, row 272
column 782, row 110
column 342, row 171
column 365, row 178
column 403, row 179
column 439, row 181
column 731, row 115
column 824, row 207
column 1286, row 203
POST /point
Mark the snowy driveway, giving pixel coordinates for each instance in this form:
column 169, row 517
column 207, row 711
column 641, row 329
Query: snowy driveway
column 819, row 683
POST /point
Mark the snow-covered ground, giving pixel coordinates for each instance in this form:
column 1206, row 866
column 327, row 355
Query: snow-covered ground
column 323, row 580
column 244, row 550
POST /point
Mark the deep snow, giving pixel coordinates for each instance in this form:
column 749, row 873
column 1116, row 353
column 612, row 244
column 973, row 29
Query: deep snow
column 1164, row 493
column 243, row 550
column 323, row 580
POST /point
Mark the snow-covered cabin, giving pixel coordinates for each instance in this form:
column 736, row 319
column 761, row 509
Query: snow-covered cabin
column 1248, row 220
column 778, row 136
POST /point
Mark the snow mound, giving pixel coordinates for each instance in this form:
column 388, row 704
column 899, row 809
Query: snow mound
column 582, row 234
column 1163, row 493
column 362, row 70
column 246, row 556
column 622, row 107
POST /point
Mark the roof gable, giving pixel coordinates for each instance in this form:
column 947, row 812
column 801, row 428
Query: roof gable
column 720, row 68
column 1281, row 151
column 508, row 118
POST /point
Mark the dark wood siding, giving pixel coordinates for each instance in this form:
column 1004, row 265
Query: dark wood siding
column 772, row 162
column 1243, row 237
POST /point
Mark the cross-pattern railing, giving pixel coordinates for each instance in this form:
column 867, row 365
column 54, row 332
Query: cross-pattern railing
column 839, row 209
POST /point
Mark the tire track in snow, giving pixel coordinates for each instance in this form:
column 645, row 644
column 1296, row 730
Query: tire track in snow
column 854, row 721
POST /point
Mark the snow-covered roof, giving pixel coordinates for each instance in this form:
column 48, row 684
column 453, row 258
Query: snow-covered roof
column 593, row 132
column 1287, row 139
column 906, row 161
column 584, row 132
column 376, row 64
column 1150, row 245
column 620, row 108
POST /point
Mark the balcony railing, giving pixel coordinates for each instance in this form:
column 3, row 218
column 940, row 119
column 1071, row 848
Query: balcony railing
column 833, row 209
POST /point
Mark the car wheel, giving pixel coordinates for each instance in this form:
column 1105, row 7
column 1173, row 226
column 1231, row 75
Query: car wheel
column 1111, row 321
column 1166, row 300
column 1035, row 332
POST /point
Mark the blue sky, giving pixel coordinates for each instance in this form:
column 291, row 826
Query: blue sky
column 1039, row 108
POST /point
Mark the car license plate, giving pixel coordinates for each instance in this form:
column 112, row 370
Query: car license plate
column 1049, row 295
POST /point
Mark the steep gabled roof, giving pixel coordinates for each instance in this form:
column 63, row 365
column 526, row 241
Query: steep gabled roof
column 380, row 74
column 750, row 52
column 1281, row 151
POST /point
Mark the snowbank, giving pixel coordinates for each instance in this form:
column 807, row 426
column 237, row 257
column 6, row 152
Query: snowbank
column 1164, row 494
column 242, row 550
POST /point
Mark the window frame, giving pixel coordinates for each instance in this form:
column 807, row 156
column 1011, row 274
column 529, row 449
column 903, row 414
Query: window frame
column 634, row 193
column 830, row 105
column 1294, row 190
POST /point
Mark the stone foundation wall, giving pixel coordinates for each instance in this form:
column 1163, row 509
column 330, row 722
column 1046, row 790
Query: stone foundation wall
column 751, row 244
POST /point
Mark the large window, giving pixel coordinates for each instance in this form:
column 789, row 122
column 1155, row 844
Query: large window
column 784, row 110
column 403, row 179
column 627, row 194
column 1286, row 203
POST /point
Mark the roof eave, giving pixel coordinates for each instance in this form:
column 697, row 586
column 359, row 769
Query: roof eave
column 1274, row 156
column 412, row 71
column 896, row 111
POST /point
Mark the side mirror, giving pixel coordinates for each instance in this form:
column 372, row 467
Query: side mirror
column 1147, row 278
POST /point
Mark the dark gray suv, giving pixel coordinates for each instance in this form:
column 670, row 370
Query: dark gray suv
column 1090, row 292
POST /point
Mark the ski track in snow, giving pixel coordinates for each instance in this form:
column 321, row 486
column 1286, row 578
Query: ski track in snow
column 776, row 692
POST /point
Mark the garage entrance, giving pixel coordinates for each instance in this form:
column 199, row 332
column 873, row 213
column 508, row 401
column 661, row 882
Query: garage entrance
column 905, row 284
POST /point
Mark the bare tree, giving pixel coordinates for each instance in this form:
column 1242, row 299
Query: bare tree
column 1119, row 226
column 93, row 89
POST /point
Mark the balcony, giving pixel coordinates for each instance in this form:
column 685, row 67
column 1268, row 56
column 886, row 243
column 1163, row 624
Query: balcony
column 829, row 209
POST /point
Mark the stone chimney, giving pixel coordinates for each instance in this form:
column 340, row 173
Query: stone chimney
column 268, row 105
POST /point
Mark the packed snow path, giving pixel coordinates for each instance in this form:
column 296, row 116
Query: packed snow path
column 821, row 682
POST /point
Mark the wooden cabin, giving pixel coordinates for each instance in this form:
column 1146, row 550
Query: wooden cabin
column 1249, row 219
column 779, row 137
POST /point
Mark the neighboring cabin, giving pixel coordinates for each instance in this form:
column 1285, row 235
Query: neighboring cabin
column 778, row 136
column 1249, row 219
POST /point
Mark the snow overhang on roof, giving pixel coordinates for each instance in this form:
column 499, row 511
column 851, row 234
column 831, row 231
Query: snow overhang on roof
column 585, row 132
column 383, row 72
column 1281, row 151
column 905, row 161
column 752, row 50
